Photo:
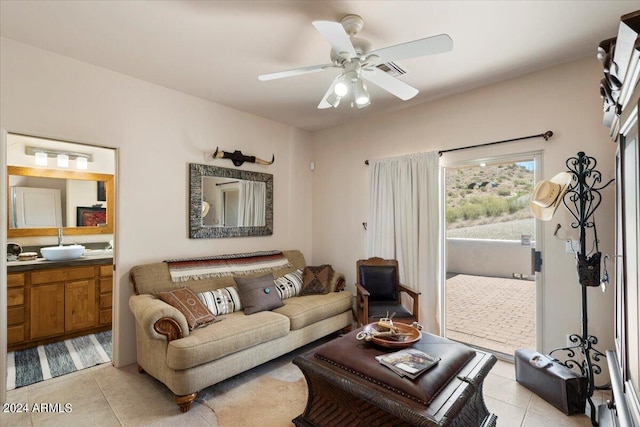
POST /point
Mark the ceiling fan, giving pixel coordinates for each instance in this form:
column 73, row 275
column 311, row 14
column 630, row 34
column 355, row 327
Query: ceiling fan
column 359, row 62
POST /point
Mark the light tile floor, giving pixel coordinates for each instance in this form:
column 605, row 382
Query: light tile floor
column 107, row 396
column 489, row 312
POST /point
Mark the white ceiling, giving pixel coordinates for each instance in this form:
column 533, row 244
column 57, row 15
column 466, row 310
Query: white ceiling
column 216, row 49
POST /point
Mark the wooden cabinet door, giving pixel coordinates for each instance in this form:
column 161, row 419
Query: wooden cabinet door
column 47, row 310
column 80, row 305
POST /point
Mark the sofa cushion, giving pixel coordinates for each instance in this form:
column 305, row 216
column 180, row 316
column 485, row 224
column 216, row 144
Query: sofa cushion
column 221, row 301
column 305, row 310
column 316, row 279
column 235, row 332
column 196, row 313
column 258, row 293
column 290, row 284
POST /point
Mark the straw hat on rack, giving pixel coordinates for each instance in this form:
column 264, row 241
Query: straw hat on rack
column 547, row 195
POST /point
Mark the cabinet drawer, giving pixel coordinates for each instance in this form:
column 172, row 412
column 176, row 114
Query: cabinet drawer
column 106, row 270
column 106, row 301
column 62, row 275
column 105, row 317
column 15, row 297
column 15, row 334
column 106, row 285
column 14, row 280
column 15, row 315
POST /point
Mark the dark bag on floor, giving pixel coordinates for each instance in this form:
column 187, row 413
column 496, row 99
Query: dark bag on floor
column 555, row 383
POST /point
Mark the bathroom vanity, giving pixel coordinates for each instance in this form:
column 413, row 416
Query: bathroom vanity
column 51, row 301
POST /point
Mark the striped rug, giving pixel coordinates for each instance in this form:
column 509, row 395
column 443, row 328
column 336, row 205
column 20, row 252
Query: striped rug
column 32, row 365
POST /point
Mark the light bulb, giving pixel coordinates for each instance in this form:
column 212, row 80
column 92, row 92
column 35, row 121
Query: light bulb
column 341, row 88
column 360, row 93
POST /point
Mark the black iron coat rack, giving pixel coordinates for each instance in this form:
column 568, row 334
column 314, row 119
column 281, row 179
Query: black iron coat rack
column 582, row 199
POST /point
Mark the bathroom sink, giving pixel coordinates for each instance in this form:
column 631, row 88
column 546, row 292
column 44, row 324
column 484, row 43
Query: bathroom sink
column 62, row 253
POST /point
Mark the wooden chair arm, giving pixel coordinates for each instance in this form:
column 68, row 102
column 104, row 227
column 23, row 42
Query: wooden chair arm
column 362, row 304
column 361, row 290
column 408, row 290
column 414, row 296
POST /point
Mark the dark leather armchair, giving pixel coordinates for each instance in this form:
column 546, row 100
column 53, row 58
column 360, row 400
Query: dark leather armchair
column 378, row 292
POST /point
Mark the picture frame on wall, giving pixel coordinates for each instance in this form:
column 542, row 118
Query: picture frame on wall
column 93, row 216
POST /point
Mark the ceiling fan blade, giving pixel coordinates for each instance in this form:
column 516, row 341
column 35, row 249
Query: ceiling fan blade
column 390, row 84
column 427, row 46
column 336, row 36
column 294, row 72
column 324, row 103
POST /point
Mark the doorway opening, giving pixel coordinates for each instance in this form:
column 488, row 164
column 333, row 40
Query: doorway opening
column 59, row 313
column 490, row 288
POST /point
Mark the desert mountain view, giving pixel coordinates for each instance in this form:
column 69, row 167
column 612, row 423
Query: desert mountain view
column 490, row 202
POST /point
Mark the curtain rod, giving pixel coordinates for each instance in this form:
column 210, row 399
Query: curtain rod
column 548, row 134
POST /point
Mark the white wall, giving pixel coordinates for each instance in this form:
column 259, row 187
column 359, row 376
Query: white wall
column 157, row 133
column 564, row 99
column 486, row 257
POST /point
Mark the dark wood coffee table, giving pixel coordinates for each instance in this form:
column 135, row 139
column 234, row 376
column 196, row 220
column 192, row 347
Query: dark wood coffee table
column 348, row 387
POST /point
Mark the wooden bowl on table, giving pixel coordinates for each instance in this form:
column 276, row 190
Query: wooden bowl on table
column 407, row 335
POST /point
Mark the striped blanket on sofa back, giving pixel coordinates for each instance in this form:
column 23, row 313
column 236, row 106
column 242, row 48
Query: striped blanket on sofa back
column 182, row 270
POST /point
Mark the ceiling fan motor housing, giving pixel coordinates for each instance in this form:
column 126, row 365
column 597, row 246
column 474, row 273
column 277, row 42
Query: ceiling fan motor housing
column 352, row 24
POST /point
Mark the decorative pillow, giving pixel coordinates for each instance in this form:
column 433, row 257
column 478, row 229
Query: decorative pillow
column 258, row 293
column 221, row 301
column 290, row 284
column 316, row 279
column 187, row 302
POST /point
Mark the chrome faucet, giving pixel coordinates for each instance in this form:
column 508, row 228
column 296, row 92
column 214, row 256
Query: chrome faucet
column 60, row 237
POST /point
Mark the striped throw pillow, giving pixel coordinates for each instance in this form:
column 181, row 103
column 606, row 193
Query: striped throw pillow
column 221, row 301
column 290, row 284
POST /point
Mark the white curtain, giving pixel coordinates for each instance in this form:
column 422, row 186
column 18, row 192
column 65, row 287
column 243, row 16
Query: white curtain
column 404, row 223
column 251, row 204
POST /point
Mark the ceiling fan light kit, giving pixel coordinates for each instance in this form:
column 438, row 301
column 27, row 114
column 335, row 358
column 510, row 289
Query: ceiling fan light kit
column 358, row 63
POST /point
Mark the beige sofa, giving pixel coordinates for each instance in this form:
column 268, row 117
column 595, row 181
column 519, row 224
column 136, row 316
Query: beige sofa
column 188, row 361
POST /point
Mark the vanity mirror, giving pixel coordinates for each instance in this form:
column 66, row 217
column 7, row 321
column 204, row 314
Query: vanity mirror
column 42, row 200
column 229, row 202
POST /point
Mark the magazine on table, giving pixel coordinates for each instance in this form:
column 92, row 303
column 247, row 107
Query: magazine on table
column 408, row 362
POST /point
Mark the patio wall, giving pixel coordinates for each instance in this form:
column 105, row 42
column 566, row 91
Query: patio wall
column 480, row 257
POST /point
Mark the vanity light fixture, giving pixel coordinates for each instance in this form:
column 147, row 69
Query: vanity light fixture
column 81, row 163
column 63, row 161
column 62, row 157
column 41, row 158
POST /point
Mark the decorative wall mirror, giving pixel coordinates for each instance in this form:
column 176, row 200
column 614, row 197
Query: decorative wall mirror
column 229, row 202
column 42, row 200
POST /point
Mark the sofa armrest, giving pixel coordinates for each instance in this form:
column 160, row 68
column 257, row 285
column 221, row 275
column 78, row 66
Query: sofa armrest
column 337, row 282
column 157, row 318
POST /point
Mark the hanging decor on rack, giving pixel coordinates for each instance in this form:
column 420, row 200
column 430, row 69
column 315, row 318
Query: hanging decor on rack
column 238, row 158
column 582, row 197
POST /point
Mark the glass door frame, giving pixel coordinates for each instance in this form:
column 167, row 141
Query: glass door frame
column 466, row 159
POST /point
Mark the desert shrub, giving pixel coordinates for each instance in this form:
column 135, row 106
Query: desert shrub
column 516, row 203
column 452, row 214
column 504, row 192
column 494, row 206
column 471, row 210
